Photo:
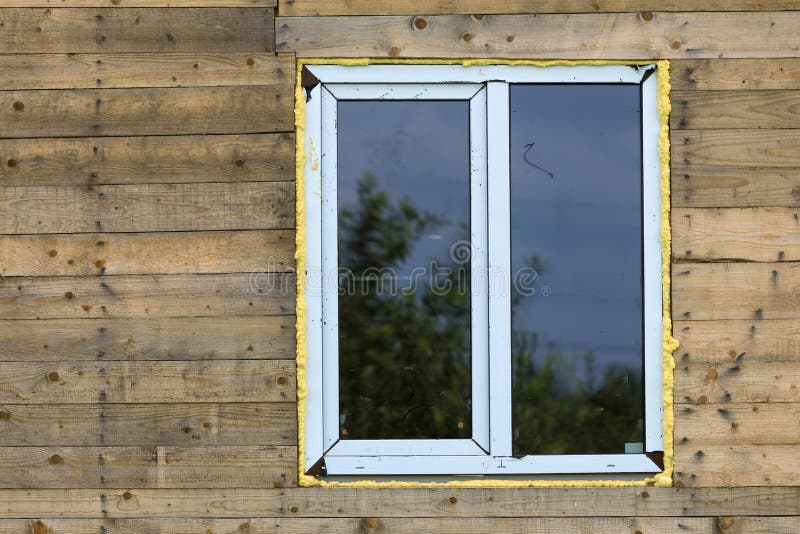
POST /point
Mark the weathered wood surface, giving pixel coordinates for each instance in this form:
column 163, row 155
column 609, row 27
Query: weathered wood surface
column 185, row 295
column 252, row 251
column 147, row 208
column 367, row 525
column 182, row 338
column 703, row 187
column 305, row 8
column 721, row 342
column 138, row 160
column 147, row 111
column 737, row 465
column 125, row 425
column 577, row 36
column 743, row 149
column 709, row 74
column 147, row 382
column 735, row 234
column 742, row 424
column 457, row 503
column 743, row 380
column 735, row 109
column 90, row 71
column 120, row 29
column 711, row 291
column 139, row 3
column 148, row 467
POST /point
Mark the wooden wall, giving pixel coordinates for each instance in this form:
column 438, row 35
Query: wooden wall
column 146, row 247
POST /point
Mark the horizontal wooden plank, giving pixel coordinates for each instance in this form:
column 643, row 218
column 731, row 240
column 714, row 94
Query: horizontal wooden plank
column 401, row 502
column 711, row 291
column 119, row 29
column 742, row 424
column 139, row 3
column 147, row 208
column 743, row 380
column 716, row 74
column 576, row 36
column 146, row 111
column 89, row 71
column 702, row 187
column 428, row 525
column 147, row 382
column 183, row 295
column 735, row 465
column 147, row 467
column 90, row 161
column 736, row 234
column 125, row 425
column 761, row 525
column 166, row 338
column 735, row 109
column 721, row 342
column 251, row 251
column 745, row 149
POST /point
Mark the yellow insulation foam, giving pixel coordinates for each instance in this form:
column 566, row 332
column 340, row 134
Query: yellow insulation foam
column 663, row 479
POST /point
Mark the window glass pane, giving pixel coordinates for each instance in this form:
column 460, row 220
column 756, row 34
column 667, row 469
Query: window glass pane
column 404, row 304
column 576, row 240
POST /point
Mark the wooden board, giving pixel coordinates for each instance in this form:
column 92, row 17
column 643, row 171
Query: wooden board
column 735, row 234
column 702, row 187
column 147, row 208
column 721, row 342
column 581, row 36
column 715, row 74
column 736, row 465
column 744, row 424
column 305, row 8
column 90, row 71
column 366, row 525
column 137, row 160
column 184, row 295
column 148, row 467
column 147, row 382
column 711, row 291
column 148, row 111
column 401, row 502
column 743, row 380
column 119, row 29
column 139, row 3
column 125, row 425
column 735, row 109
column 183, row 338
column 253, row 251
column 744, row 149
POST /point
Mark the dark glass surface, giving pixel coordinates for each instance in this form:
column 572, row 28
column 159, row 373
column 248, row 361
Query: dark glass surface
column 404, row 310
column 576, row 224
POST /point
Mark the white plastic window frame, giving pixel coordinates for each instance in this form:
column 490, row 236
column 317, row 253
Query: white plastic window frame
column 489, row 451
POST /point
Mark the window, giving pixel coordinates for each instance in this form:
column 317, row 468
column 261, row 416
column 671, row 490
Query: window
column 483, row 271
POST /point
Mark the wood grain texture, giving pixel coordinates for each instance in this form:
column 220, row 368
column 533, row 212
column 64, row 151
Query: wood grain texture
column 577, row 36
column 401, row 502
column 147, row 208
column 721, row 342
column 93, row 161
column 745, row 379
column 119, row 29
column 139, row 3
column 743, row 424
column 742, row 149
column 90, row 71
column 147, row 382
column 186, row 295
column 147, row 111
column 366, row 525
column 716, row 74
column 735, row 109
column 126, row 425
column 702, row 187
column 253, row 251
column 306, row 8
column 167, row 338
column 711, row 291
column 147, row 467
column 736, row 465
column 736, row 234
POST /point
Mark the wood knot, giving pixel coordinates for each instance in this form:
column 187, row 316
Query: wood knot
column 11, row 163
column 4, row 415
column 250, row 348
column 53, row 376
column 510, row 39
column 477, row 17
column 675, row 45
column 38, row 527
column 393, row 52
column 467, row 37
column 18, row 106
column 52, row 253
column 239, row 163
column 725, row 522
column 453, row 500
column 99, row 263
column 68, row 295
column 294, row 509
column 420, row 23
column 127, row 495
column 281, row 380
column 370, row 523
column 250, row 62
column 56, row 460
column 647, row 16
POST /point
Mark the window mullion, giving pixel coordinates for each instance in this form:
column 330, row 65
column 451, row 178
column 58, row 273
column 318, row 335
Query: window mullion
column 499, row 275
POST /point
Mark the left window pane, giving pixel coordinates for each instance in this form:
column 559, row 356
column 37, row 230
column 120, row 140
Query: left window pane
column 404, row 269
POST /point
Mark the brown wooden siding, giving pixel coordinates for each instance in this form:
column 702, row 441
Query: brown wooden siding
column 147, row 381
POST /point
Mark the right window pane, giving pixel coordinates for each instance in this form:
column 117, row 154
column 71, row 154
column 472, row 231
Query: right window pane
column 576, row 251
